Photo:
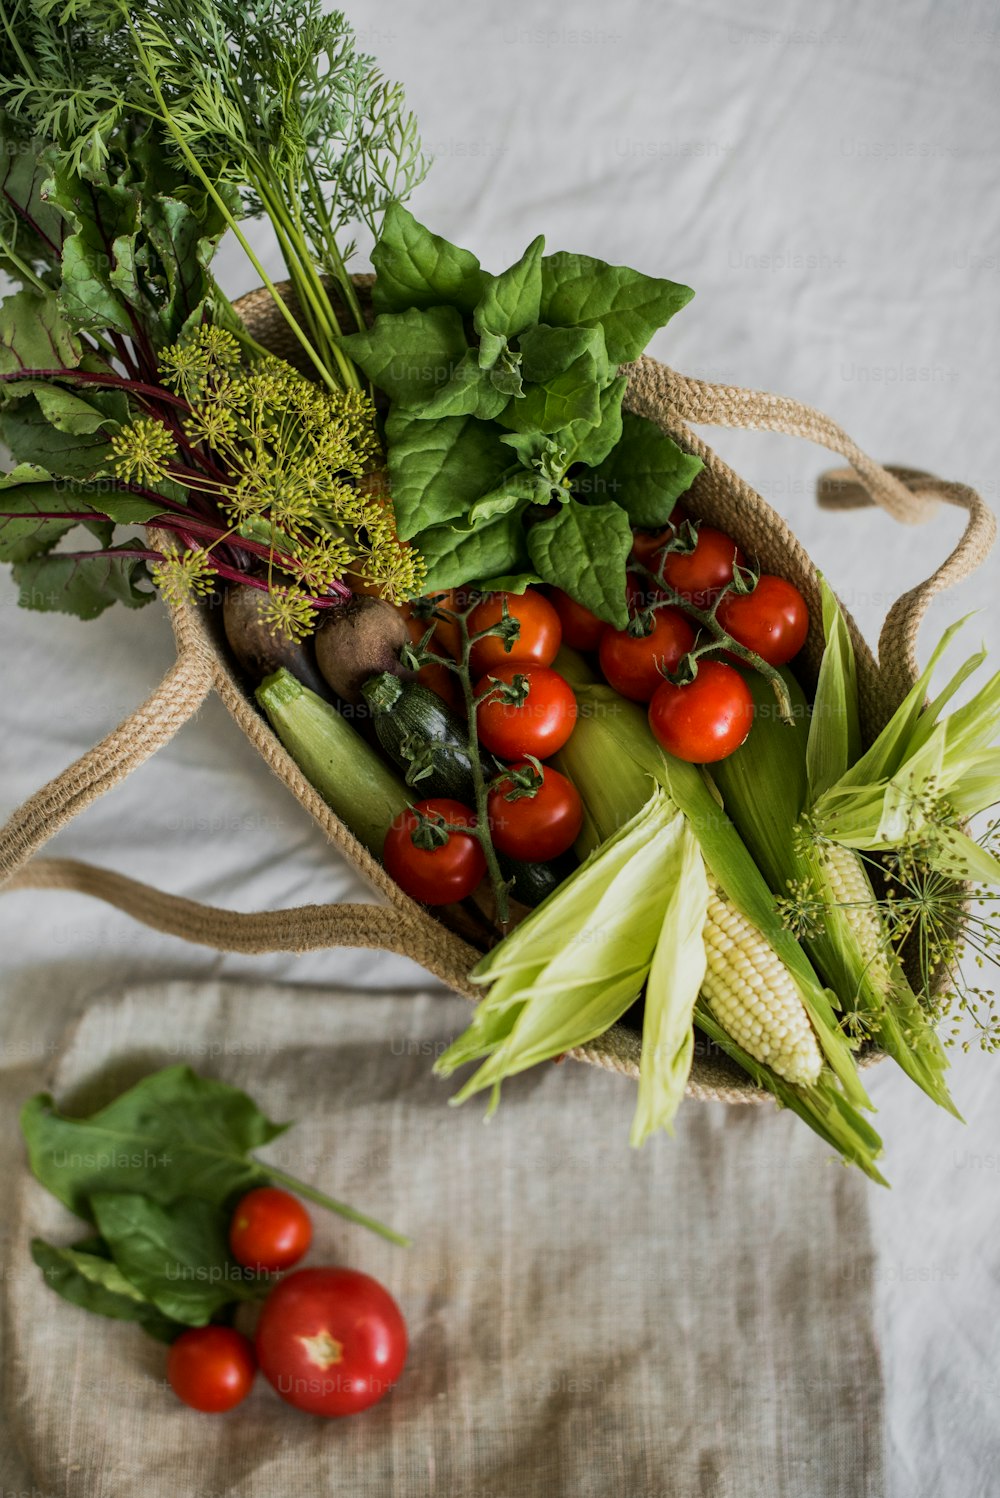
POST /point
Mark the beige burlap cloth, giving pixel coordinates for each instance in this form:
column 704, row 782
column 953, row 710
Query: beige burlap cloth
column 688, row 1321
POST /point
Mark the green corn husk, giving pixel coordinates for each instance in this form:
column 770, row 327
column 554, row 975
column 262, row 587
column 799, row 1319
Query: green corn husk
column 569, row 971
column 793, row 761
column 529, row 1013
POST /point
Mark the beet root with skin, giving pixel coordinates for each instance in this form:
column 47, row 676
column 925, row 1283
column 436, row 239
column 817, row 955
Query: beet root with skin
column 357, row 641
column 259, row 649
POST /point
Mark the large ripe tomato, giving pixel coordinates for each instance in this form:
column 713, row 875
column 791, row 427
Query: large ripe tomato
column 331, row 1341
column 580, row 628
column 700, row 575
column 211, row 1368
column 538, row 827
column 773, row 620
column 538, row 642
column 636, row 664
column 270, row 1230
column 707, row 719
column 437, row 875
column 540, row 726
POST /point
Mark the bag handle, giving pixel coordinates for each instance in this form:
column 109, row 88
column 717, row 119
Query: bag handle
column 907, row 494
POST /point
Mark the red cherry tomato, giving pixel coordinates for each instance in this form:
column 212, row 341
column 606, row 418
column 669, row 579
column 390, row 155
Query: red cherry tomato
column 580, row 628
column 700, row 575
column 447, row 637
column 707, row 719
column 438, row 875
column 538, row 641
column 270, row 1231
column 646, row 545
column 331, row 1341
column 536, row 827
column 635, row 664
column 211, row 1368
column 540, row 726
column 773, row 620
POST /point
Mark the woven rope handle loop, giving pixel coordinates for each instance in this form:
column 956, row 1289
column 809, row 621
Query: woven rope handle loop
column 303, row 928
column 175, row 701
column 907, row 494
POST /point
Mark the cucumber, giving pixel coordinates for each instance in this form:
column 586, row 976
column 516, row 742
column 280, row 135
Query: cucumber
column 421, row 735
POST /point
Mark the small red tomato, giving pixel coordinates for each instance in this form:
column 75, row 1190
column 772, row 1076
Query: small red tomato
column 540, row 726
column 700, row 575
column 539, row 638
column 441, row 874
column 646, row 545
column 580, row 628
column 773, row 620
column 270, row 1231
column 539, row 827
column 211, row 1368
column 331, row 1341
column 635, row 664
column 707, row 719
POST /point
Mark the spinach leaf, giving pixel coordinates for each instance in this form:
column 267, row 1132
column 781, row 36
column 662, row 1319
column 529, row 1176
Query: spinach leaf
column 176, row 1255
column 474, row 556
column 84, row 583
column 511, row 301
column 470, row 391
column 647, row 471
column 173, row 1134
column 574, row 395
column 415, row 268
column 86, row 1277
column 583, row 550
column 547, row 351
column 409, row 354
column 438, row 468
column 629, row 306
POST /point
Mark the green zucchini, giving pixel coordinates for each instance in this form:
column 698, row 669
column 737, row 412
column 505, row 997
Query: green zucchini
column 534, row 882
column 421, row 735
column 348, row 773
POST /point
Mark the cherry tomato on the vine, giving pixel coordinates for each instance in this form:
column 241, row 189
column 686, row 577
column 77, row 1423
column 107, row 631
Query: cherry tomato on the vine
column 542, row 723
column 211, row 1368
column 705, row 720
column 437, row 875
column 270, row 1230
column 700, row 575
column 539, row 638
column 580, row 628
column 331, row 1341
column 636, row 664
column 540, row 826
column 646, row 545
column 773, row 620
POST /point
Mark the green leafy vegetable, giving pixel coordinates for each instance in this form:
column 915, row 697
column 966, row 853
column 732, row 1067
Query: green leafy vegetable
column 86, row 1277
column 176, row 1256
column 542, row 379
column 584, row 549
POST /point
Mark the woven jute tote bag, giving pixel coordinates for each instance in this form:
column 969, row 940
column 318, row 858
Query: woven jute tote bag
column 397, row 924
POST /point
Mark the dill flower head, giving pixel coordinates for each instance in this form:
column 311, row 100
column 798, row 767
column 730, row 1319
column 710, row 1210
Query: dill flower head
column 184, row 575
column 143, row 451
column 289, row 466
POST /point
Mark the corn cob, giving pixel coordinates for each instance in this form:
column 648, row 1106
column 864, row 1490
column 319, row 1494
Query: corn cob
column 754, row 997
column 847, row 943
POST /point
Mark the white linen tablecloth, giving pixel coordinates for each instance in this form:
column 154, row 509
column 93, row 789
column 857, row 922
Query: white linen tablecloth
column 826, row 178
